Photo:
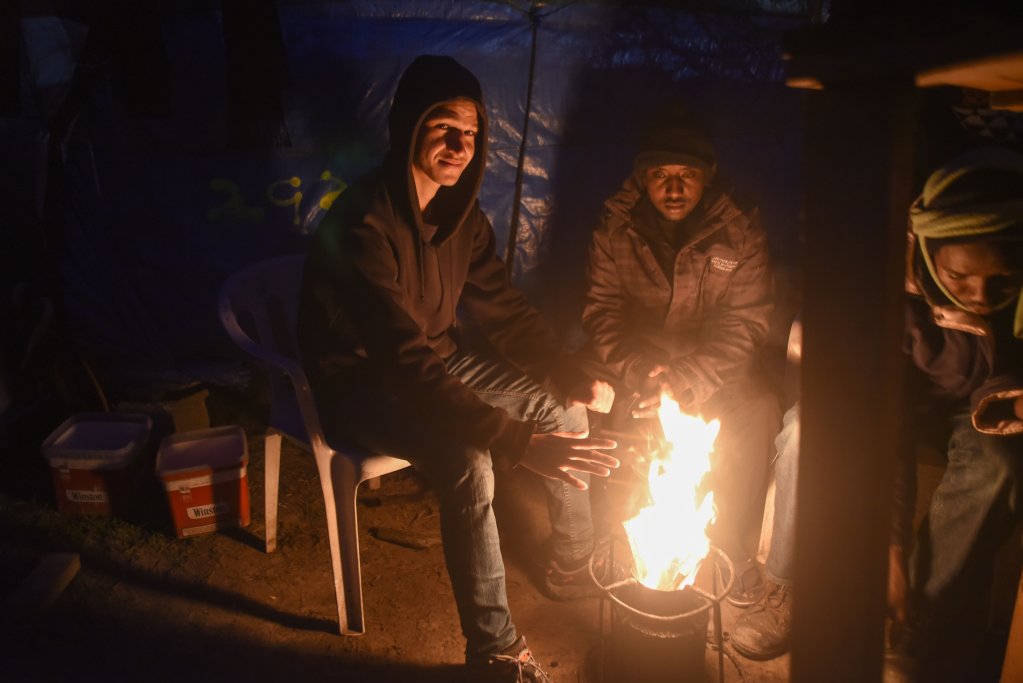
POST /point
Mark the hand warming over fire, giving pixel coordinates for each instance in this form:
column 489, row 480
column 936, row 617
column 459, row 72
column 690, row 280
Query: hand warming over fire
column 557, row 454
column 654, row 386
column 596, row 396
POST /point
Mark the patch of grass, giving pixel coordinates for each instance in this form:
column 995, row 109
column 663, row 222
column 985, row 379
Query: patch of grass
column 40, row 527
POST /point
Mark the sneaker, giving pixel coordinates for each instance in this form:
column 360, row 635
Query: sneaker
column 571, row 583
column 749, row 585
column 762, row 631
column 514, row 664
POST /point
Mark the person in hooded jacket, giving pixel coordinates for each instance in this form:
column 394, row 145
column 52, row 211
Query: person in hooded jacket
column 964, row 338
column 397, row 260
column 679, row 296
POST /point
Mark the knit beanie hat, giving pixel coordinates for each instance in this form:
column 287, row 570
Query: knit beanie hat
column 978, row 195
column 674, row 136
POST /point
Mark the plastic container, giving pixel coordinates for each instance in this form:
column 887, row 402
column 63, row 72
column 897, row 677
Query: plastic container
column 204, row 474
column 94, row 461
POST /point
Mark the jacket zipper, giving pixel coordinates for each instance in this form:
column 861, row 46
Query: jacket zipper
column 700, row 284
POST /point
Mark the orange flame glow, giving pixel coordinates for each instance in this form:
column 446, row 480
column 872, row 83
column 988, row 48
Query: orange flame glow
column 669, row 537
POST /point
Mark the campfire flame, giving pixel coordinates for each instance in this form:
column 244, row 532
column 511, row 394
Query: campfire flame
column 669, row 537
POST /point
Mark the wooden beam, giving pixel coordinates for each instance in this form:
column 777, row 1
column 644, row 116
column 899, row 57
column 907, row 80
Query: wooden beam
column 968, row 47
column 859, row 170
column 996, row 73
column 1012, row 668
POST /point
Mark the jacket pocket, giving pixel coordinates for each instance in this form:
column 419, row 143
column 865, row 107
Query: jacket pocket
column 719, row 268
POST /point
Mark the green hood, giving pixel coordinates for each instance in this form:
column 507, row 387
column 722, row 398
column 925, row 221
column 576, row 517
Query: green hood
column 977, row 195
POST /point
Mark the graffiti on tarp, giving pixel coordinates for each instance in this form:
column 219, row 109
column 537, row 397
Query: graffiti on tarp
column 286, row 193
column 233, row 208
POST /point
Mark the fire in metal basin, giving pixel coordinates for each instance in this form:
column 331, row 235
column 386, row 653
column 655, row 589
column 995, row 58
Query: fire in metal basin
column 658, row 618
column 660, row 636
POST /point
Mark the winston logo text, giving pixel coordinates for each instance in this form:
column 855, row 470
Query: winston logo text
column 209, row 510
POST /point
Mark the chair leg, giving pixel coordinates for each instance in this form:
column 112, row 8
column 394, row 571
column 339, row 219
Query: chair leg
column 271, row 487
column 339, row 483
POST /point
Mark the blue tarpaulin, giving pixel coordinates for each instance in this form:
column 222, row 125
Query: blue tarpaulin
column 159, row 202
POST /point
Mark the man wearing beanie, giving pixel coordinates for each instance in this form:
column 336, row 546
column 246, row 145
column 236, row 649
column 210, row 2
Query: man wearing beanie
column 964, row 335
column 393, row 259
column 678, row 300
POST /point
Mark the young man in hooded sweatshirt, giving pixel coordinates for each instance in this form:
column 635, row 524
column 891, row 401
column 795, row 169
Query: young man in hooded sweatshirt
column 679, row 296
column 964, row 336
column 397, row 255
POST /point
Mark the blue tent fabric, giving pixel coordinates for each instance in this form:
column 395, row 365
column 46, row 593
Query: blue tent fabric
column 159, row 210
column 595, row 87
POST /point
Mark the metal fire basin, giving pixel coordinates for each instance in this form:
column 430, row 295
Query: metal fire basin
column 659, row 636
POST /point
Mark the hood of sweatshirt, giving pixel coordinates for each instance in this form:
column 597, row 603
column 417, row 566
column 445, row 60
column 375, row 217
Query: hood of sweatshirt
column 432, row 80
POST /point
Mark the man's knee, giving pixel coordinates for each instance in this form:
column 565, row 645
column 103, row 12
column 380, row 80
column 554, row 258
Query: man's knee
column 749, row 423
column 1000, row 462
column 465, row 475
column 575, row 419
column 748, row 404
column 761, row 408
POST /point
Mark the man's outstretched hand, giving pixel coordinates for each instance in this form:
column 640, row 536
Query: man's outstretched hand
column 596, row 396
column 558, row 454
column 655, row 384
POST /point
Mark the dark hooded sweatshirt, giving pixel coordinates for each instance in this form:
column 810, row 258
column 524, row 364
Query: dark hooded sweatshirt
column 967, row 359
column 960, row 360
column 381, row 287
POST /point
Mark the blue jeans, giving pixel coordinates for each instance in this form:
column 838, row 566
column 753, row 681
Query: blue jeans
column 781, row 558
column 572, row 532
column 463, row 478
column 977, row 504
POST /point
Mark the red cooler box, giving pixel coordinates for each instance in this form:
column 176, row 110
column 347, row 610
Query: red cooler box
column 93, row 458
column 204, row 474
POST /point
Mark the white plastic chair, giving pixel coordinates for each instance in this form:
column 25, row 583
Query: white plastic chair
column 259, row 310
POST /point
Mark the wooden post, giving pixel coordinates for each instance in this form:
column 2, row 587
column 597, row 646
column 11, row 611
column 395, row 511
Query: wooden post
column 1012, row 668
column 859, row 170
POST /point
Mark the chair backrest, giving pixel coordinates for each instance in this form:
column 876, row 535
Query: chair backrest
column 259, row 310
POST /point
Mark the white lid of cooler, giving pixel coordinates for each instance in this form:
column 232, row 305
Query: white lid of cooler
column 216, row 448
column 89, row 440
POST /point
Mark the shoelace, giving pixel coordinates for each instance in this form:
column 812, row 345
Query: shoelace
column 523, row 659
column 777, row 595
column 773, row 599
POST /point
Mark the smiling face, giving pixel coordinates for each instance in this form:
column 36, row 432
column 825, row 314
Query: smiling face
column 674, row 190
column 979, row 275
column 444, row 147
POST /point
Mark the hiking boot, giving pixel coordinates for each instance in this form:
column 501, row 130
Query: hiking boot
column 749, row 585
column 514, row 664
column 898, row 667
column 905, row 651
column 571, row 583
column 762, row 631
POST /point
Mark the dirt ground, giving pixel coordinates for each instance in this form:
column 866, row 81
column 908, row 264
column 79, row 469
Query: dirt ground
column 148, row 606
